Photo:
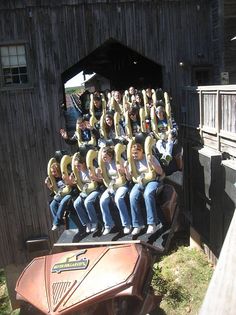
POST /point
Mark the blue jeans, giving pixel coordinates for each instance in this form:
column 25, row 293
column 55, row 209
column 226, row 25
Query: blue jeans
column 148, row 193
column 119, row 195
column 57, row 207
column 84, row 206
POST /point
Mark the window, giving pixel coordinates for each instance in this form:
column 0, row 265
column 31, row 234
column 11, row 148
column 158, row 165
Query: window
column 202, row 75
column 14, row 67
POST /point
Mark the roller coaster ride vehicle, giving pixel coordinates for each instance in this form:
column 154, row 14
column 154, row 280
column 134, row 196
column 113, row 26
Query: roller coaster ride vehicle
column 98, row 280
column 92, row 274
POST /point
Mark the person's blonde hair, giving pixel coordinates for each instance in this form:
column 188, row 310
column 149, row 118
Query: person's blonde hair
column 56, row 166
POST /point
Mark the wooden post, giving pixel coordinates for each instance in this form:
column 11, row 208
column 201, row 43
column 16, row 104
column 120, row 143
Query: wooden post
column 218, row 118
column 201, row 111
column 195, row 239
column 221, row 293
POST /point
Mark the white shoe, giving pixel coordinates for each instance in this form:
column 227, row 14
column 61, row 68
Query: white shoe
column 127, row 229
column 106, row 231
column 137, row 230
column 152, row 228
column 94, row 227
column 54, row 227
column 88, row 228
column 165, row 159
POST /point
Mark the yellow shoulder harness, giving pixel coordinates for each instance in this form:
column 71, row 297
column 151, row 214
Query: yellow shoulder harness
column 51, row 177
column 121, row 179
column 92, row 141
column 64, row 164
column 88, row 187
column 144, row 178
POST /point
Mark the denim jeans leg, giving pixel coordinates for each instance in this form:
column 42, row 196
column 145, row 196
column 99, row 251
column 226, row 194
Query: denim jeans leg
column 61, row 209
column 136, row 211
column 80, row 210
column 53, row 208
column 150, row 202
column 121, row 205
column 104, row 205
column 89, row 205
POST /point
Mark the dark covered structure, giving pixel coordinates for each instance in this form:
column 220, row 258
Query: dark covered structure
column 121, row 65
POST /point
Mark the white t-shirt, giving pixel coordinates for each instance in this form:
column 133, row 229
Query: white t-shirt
column 112, row 169
column 84, row 176
column 60, row 184
column 142, row 166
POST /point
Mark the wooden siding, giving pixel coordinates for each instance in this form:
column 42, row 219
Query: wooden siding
column 229, row 45
column 217, row 38
column 58, row 34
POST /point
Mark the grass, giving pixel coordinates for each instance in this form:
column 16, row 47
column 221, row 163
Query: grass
column 182, row 278
column 5, row 306
column 74, row 90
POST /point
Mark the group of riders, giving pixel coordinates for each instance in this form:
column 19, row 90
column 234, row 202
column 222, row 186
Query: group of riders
column 126, row 144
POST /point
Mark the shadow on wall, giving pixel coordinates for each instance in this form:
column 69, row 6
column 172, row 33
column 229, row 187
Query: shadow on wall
column 211, row 199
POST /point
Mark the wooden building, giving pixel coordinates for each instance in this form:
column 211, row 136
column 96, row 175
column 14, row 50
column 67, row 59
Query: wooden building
column 97, row 83
column 163, row 43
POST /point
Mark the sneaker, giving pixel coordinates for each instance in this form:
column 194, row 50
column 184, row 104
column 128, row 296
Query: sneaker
column 88, row 228
column 54, row 227
column 127, row 229
column 163, row 160
column 152, row 228
column 168, row 158
column 107, row 230
column 137, row 230
column 94, row 227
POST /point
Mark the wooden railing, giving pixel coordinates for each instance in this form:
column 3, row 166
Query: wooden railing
column 221, row 294
column 212, row 109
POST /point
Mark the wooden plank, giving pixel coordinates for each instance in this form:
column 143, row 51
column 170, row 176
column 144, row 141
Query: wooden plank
column 201, row 112
column 218, row 119
column 228, row 135
column 210, row 141
column 214, row 88
column 228, row 146
column 220, row 296
column 209, row 130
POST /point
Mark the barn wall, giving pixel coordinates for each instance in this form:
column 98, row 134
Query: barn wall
column 229, row 45
column 58, row 34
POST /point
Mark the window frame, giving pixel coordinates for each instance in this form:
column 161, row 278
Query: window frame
column 14, row 86
column 202, row 68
